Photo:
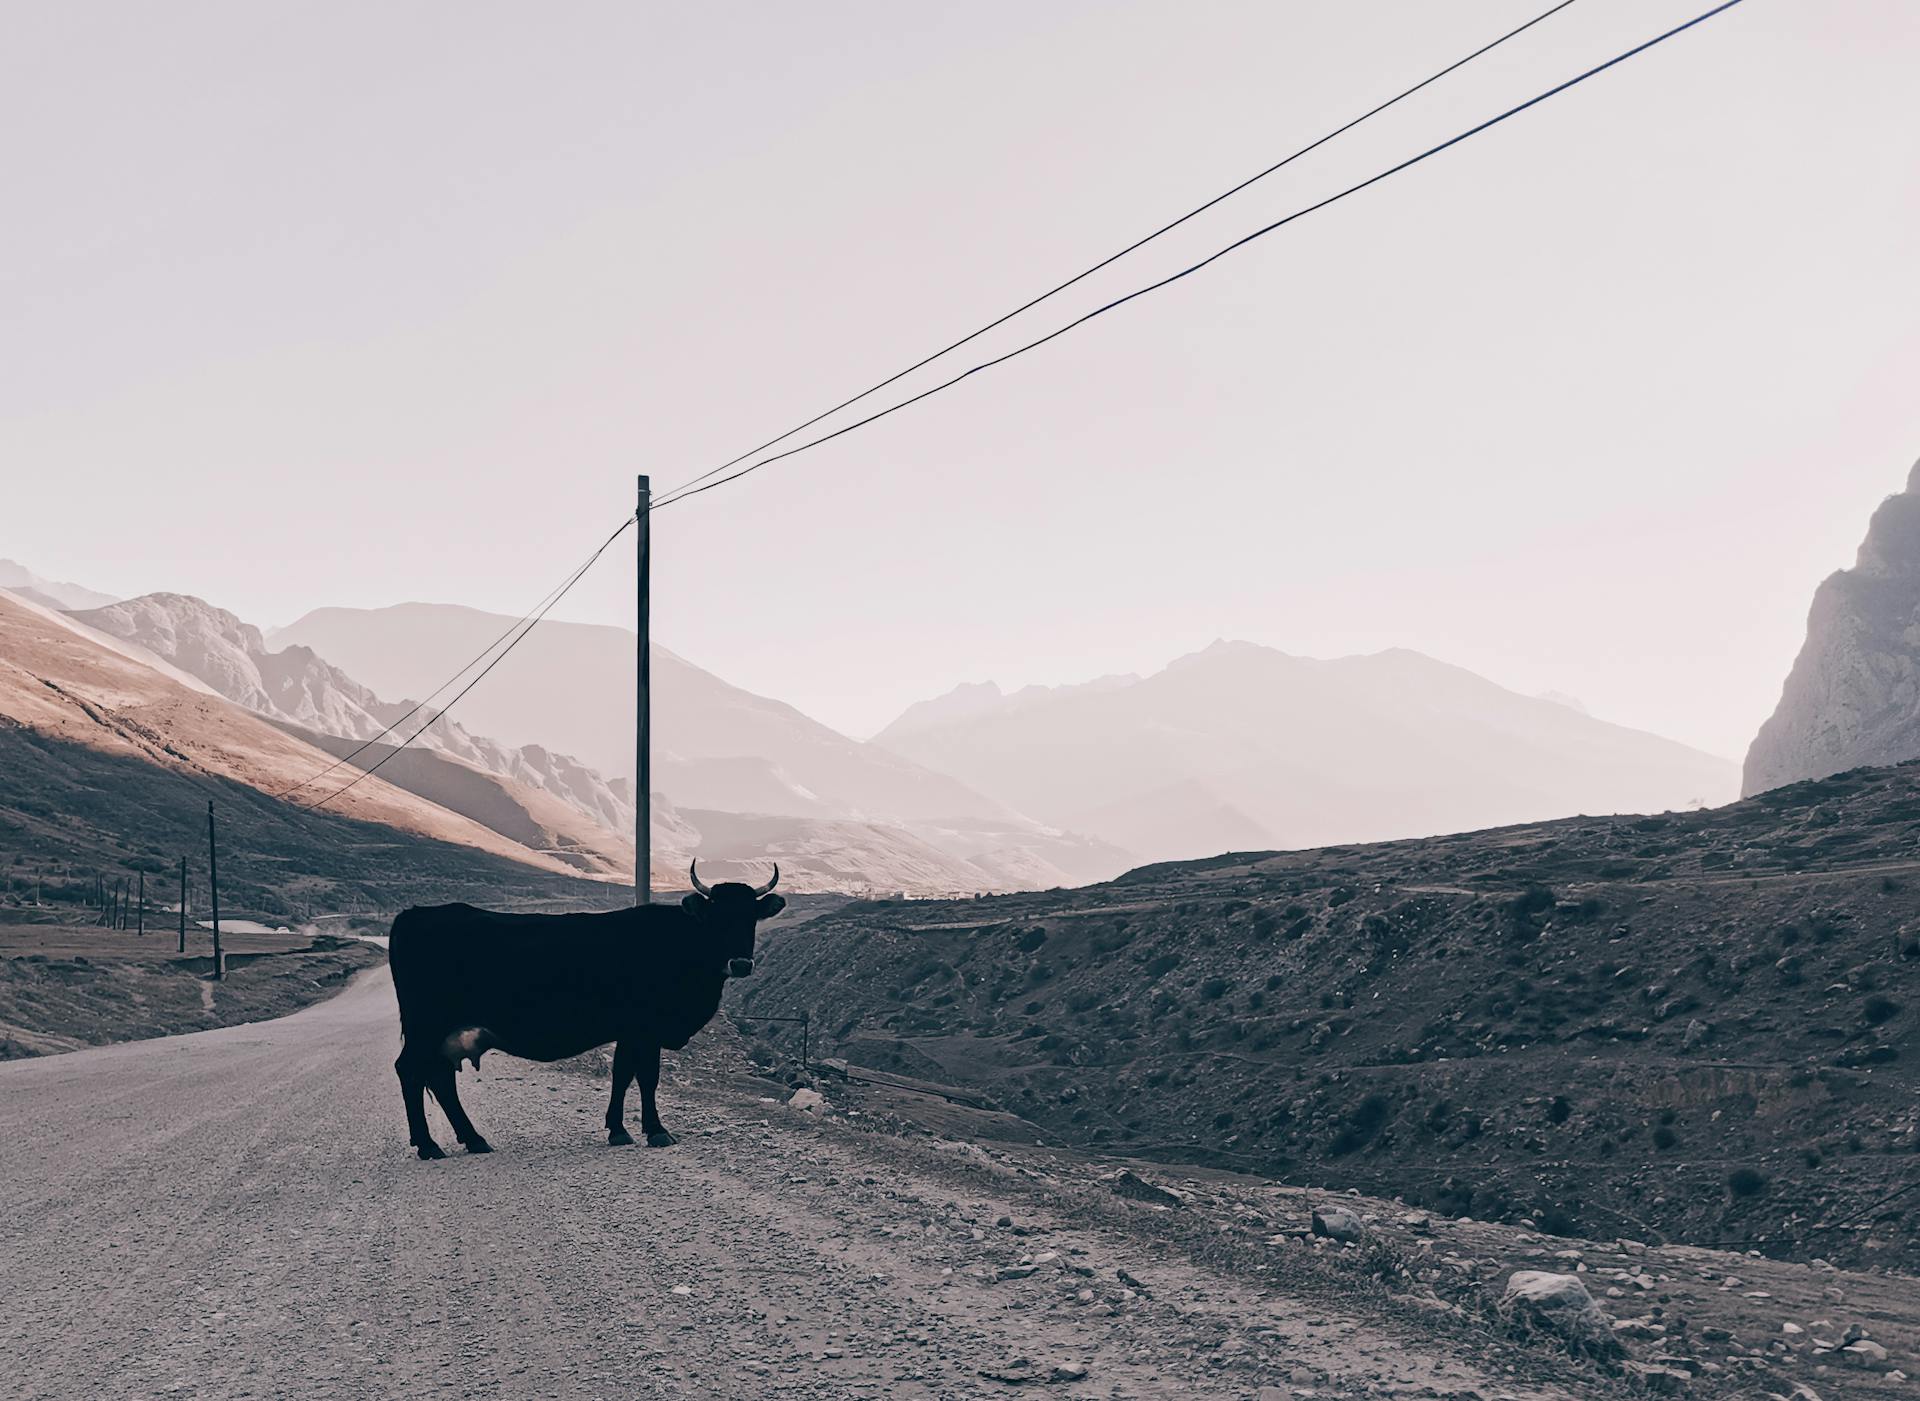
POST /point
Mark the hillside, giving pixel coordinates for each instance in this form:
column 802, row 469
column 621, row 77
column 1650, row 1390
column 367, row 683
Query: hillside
column 1246, row 746
column 718, row 748
column 110, row 763
column 1853, row 695
column 298, row 687
column 1695, row 1027
column 525, row 813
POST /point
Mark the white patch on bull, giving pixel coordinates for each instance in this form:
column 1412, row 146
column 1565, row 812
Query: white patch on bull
column 469, row 1043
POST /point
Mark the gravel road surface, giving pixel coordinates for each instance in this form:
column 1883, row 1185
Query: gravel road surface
column 236, row 1214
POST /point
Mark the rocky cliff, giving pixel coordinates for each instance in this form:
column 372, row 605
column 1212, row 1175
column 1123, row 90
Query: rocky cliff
column 1853, row 696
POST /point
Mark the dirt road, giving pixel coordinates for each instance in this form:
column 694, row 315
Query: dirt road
column 236, row 1214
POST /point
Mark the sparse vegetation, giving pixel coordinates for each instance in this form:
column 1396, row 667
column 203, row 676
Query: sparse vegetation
column 1747, row 1182
column 1505, row 1023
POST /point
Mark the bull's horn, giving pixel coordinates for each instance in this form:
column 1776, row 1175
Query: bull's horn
column 694, row 871
column 767, row 889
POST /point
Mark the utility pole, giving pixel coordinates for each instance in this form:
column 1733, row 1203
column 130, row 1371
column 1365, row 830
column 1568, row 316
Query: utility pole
column 141, row 916
column 183, row 904
column 643, row 706
column 213, row 885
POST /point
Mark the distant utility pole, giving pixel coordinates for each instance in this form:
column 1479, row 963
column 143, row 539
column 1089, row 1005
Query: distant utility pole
column 183, row 904
column 213, row 886
column 141, row 916
column 643, row 707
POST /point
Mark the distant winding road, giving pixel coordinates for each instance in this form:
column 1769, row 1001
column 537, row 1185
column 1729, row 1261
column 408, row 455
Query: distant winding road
column 235, row 1214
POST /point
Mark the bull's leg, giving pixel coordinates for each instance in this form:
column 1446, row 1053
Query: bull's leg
column 647, row 1070
column 442, row 1085
column 617, row 1134
column 413, row 1091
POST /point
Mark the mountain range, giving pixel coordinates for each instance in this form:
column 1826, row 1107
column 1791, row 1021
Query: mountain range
column 1237, row 747
column 760, row 780
column 49, row 593
column 110, row 759
column 717, row 750
column 1243, row 747
column 523, row 792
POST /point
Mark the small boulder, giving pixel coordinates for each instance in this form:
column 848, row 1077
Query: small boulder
column 1022, row 1371
column 1864, row 1352
column 1125, row 1184
column 1337, row 1223
column 1546, row 1292
column 1643, row 1329
column 1656, row 1380
column 1562, row 1303
column 809, row 1101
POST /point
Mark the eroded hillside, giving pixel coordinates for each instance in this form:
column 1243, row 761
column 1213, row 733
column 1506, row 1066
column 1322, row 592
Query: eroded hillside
column 1690, row 1027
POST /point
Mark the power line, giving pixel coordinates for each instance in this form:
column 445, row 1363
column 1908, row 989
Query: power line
column 677, row 497
column 531, row 621
column 421, row 704
column 1115, row 257
column 698, row 485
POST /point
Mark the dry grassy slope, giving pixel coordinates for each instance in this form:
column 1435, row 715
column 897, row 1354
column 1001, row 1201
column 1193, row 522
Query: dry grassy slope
column 65, row 686
column 525, row 815
column 1694, row 1026
column 108, row 764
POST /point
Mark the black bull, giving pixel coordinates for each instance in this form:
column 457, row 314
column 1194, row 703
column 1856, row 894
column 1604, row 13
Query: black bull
column 545, row 987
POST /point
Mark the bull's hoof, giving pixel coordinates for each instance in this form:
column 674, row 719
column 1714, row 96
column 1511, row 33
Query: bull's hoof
column 479, row 1145
column 660, row 1138
column 619, row 1138
column 431, row 1150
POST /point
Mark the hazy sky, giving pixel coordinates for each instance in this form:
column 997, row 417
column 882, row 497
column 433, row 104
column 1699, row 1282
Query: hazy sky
column 362, row 303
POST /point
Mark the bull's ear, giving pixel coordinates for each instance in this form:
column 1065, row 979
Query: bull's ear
column 767, row 906
column 695, row 905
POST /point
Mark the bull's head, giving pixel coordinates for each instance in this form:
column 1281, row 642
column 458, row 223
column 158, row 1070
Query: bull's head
column 730, row 910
